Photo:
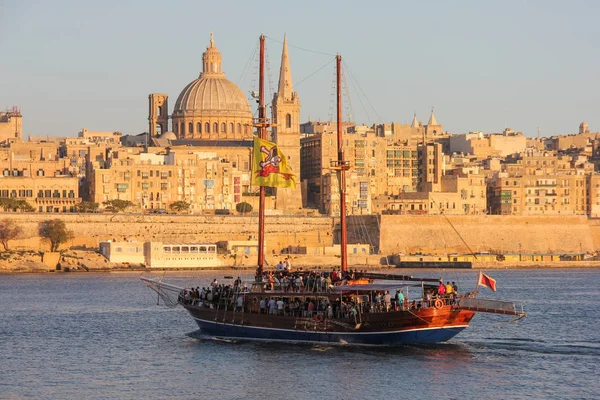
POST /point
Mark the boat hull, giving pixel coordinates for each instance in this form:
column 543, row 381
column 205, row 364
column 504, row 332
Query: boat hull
column 408, row 329
column 406, row 337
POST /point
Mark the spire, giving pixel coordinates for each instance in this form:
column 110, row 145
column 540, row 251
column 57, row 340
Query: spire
column 415, row 123
column 286, row 88
column 211, row 59
column 432, row 120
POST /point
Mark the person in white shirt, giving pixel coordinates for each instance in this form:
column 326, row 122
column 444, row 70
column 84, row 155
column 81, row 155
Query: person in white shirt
column 272, row 306
column 280, row 305
column 262, row 306
column 387, row 300
column 240, row 303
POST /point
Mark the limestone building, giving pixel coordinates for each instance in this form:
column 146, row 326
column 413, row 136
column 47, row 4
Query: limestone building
column 11, row 126
column 212, row 116
column 542, row 183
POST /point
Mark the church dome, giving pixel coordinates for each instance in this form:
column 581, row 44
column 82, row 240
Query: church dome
column 212, row 107
column 210, row 95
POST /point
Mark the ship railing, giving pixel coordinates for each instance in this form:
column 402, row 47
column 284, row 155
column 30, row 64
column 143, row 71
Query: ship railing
column 491, row 306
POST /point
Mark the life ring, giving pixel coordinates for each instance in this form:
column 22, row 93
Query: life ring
column 438, row 303
column 367, row 325
column 318, row 317
column 254, row 300
column 390, row 324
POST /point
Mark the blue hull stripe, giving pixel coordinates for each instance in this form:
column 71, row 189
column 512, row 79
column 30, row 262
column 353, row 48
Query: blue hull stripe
column 409, row 336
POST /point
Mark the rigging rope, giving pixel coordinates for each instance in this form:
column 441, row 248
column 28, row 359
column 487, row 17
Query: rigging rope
column 302, row 48
column 361, row 90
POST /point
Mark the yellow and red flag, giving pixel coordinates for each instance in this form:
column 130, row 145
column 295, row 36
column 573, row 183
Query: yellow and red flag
column 269, row 166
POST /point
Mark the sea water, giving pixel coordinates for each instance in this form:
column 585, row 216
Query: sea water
column 102, row 336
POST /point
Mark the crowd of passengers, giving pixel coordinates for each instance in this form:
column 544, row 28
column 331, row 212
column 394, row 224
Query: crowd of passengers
column 235, row 297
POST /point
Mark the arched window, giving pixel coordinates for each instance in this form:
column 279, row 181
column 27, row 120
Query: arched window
column 191, row 127
column 207, row 127
column 288, row 121
column 182, row 129
column 231, row 127
column 223, row 128
column 199, row 127
column 216, row 127
column 239, row 128
column 175, row 128
column 159, row 111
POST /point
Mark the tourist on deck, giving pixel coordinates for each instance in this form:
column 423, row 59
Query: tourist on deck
column 454, row 288
column 400, row 299
column 214, row 283
column 311, row 308
column 387, row 300
column 239, row 303
column 272, row 306
column 441, row 289
column 449, row 289
column 429, row 297
column 287, row 265
column 280, row 305
column 262, row 305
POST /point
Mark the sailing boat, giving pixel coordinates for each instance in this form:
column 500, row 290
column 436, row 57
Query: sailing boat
column 334, row 307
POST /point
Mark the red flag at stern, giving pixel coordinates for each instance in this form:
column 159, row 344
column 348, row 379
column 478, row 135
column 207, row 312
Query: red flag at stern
column 486, row 281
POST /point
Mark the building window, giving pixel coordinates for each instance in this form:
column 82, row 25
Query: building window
column 207, row 128
column 182, row 129
column 288, row 121
column 191, row 127
column 239, row 128
column 199, row 127
column 223, row 128
column 215, row 127
column 40, row 172
column 231, row 128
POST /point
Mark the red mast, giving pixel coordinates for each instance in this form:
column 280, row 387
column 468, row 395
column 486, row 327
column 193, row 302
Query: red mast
column 262, row 133
column 342, row 166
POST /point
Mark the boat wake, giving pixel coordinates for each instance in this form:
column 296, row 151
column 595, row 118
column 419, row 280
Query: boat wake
column 541, row 347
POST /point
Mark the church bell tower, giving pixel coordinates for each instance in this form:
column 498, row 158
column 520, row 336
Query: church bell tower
column 286, row 132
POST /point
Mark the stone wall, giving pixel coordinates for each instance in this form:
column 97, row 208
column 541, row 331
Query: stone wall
column 393, row 233
column 505, row 234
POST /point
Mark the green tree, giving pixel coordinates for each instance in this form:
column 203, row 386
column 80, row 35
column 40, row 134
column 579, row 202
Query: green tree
column 87, row 206
column 180, row 206
column 243, row 207
column 23, row 205
column 55, row 230
column 7, row 203
column 117, row 205
column 9, row 230
column 11, row 204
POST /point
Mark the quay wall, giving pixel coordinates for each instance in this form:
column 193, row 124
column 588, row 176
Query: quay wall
column 503, row 234
column 389, row 234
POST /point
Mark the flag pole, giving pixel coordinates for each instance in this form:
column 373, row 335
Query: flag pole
column 478, row 280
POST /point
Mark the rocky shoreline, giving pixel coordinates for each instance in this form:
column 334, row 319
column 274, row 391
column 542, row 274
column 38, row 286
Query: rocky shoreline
column 91, row 261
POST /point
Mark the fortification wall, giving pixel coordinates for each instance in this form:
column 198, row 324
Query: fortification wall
column 505, row 234
column 90, row 229
column 392, row 233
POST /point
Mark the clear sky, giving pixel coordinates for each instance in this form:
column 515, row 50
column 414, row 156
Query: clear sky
column 482, row 64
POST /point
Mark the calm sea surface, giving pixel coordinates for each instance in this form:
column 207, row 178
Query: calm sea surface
column 102, row 336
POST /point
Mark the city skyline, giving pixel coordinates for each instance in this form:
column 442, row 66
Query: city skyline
column 482, row 67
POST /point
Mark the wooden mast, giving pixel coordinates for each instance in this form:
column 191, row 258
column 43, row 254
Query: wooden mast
column 342, row 166
column 262, row 133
